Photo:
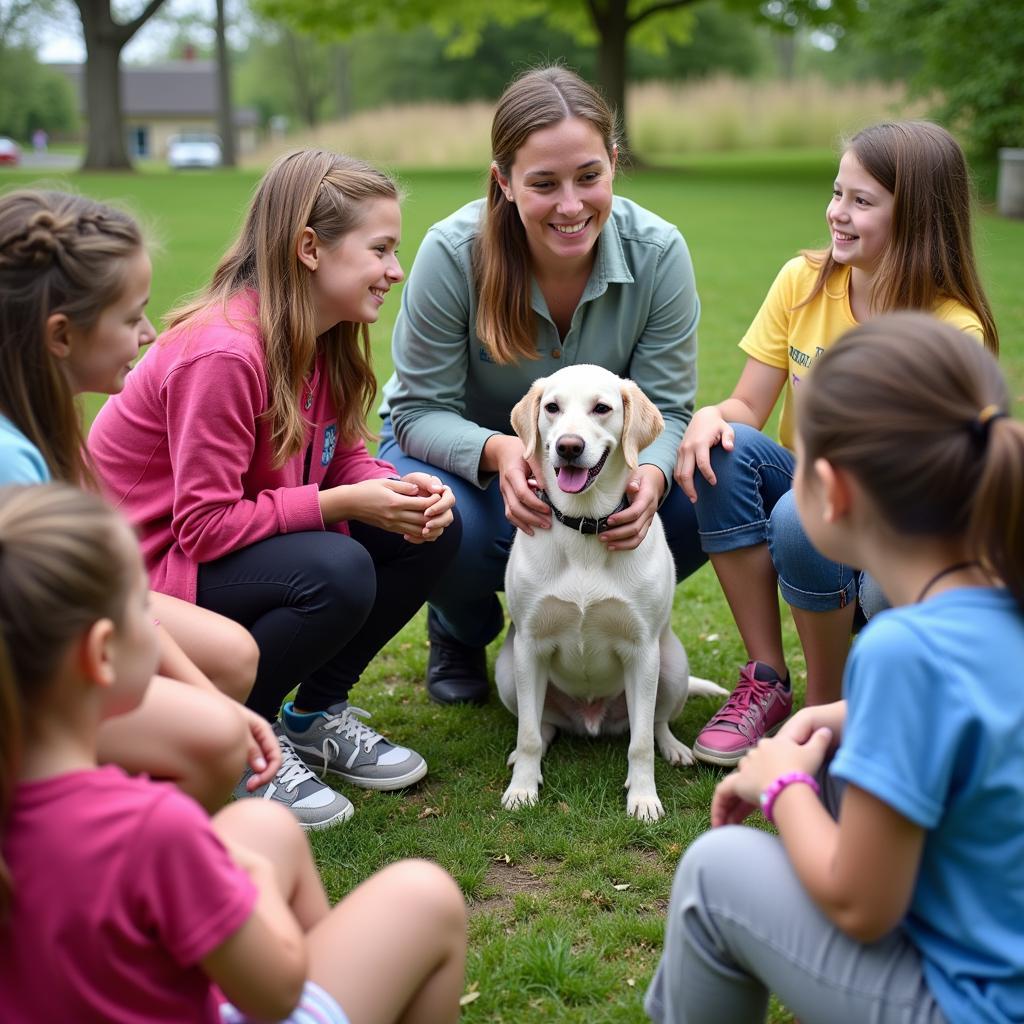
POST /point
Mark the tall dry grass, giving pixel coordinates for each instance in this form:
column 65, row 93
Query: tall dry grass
column 665, row 120
column 721, row 114
column 413, row 135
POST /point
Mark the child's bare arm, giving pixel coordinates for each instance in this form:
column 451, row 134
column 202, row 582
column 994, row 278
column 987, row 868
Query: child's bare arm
column 262, row 968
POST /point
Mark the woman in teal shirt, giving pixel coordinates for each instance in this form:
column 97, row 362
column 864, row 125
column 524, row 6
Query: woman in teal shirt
column 550, row 269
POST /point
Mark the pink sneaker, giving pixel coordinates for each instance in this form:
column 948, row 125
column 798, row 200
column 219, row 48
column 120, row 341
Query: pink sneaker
column 757, row 707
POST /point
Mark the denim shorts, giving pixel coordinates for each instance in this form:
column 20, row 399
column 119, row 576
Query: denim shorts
column 752, row 503
column 315, row 1007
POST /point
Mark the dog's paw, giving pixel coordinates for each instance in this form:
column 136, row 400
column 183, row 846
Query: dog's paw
column 644, row 806
column 516, row 796
column 674, row 751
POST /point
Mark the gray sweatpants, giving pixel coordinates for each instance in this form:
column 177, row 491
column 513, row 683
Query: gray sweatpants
column 741, row 925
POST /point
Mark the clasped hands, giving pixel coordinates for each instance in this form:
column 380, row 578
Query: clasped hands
column 418, row 505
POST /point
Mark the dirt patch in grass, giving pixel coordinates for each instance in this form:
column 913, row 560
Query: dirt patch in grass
column 505, row 881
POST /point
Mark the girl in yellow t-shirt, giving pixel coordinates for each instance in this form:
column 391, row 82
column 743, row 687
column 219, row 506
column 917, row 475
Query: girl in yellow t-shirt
column 900, row 222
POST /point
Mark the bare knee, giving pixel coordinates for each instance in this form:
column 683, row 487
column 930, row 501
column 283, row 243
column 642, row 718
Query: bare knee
column 428, row 890
column 216, row 753
column 233, row 672
column 250, row 821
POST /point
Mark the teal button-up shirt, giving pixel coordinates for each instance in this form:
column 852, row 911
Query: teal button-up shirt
column 637, row 317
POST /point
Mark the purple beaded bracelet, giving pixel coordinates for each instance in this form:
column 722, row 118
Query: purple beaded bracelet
column 771, row 792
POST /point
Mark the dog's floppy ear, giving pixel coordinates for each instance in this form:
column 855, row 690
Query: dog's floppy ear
column 524, row 416
column 641, row 423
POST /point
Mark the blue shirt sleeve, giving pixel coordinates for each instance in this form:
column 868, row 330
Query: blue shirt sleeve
column 904, row 721
column 21, row 462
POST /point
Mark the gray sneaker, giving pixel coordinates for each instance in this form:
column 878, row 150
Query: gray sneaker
column 314, row 804
column 337, row 741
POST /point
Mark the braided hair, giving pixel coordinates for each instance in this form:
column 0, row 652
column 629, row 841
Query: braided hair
column 59, row 253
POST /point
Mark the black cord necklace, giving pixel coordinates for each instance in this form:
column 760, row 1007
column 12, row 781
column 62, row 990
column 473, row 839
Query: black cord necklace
column 948, row 571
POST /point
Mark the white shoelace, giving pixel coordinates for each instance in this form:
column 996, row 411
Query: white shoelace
column 293, row 771
column 348, row 725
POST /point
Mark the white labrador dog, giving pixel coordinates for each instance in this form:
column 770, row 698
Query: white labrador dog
column 591, row 648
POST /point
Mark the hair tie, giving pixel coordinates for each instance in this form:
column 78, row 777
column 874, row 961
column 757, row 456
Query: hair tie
column 982, row 423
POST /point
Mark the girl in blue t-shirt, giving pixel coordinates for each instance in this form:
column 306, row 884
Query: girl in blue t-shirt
column 898, row 895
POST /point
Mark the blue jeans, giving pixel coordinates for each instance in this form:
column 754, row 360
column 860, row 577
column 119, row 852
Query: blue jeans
column 465, row 596
column 752, row 503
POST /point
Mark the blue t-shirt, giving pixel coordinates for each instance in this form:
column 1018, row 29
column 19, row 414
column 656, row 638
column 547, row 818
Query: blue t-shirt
column 935, row 729
column 20, row 460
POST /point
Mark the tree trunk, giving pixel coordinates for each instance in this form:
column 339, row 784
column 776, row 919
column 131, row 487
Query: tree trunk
column 610, row 20
column 105, row 148
column 305, row 97
column 225, row 109
column 104, row 41
column 343, row 78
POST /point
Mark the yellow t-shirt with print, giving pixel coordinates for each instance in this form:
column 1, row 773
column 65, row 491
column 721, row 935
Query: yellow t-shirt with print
column 791, row 337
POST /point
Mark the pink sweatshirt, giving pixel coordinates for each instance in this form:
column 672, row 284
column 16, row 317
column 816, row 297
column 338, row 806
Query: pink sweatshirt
column 185, row 455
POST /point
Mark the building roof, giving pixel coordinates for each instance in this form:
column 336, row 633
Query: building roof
column 183, row 88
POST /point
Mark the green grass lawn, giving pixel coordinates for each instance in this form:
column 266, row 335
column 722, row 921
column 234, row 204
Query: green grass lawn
column 566, row 898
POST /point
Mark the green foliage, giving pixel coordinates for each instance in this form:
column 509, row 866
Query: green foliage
column 611, row 25
column 972, row 52
column 381, row 66
column 33, row 96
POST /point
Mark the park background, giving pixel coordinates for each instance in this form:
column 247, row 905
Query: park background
column 734, row 113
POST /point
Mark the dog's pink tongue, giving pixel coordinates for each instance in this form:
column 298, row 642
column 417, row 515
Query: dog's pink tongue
column 572, row 479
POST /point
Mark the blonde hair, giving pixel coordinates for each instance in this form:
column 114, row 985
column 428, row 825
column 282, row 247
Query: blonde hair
column 328, row 193
column 59, row 253
column 918, row 412
column 501, row 258
column 929, row 256
column 63, row 564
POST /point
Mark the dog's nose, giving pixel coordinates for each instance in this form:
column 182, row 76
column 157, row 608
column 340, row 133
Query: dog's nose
column 570, row 446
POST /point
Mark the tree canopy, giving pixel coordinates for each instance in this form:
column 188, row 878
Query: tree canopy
column 972, row 52
column 608, row 24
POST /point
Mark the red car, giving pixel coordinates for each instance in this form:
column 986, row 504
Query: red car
column 10, row 153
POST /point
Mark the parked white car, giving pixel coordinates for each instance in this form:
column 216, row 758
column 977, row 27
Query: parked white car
column 10, row 152
column 193, row 149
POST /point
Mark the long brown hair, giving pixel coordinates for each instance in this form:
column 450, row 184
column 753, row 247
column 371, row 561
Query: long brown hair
column 501, row 259
column 918, row 412
column 327, row 192
column 59, row 253
column 63, row 564
column 930, row 253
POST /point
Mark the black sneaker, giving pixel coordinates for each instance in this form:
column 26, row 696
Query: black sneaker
column 456, row 673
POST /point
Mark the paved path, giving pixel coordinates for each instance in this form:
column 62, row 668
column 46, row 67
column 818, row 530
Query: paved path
column 32, row 161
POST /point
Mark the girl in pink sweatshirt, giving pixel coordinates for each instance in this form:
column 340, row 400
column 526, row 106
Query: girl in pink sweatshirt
column 238, row 450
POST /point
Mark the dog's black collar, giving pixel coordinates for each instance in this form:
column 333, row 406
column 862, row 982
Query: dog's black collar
column 583, row 524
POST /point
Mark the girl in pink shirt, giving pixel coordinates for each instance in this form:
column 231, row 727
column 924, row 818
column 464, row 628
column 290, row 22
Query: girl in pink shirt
column 121, row 902
column 238, row 451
